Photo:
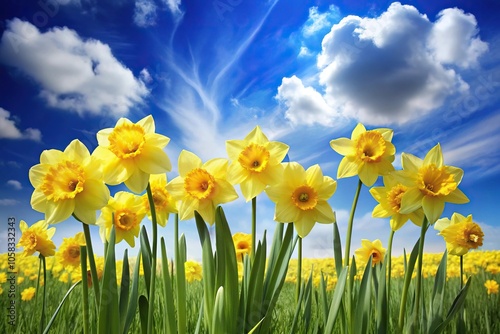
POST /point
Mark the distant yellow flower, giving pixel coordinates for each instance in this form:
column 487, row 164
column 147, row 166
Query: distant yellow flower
column 242, row 244
column 389, row 198
column 69, row 250
column 302, row 197
column 36, row 238
column 68, row 182
column 256, row 162
column 28, row 294
column 20, row 279
column 132, row 151
column 76, row 275
column 491, row 286
column 460, row 233
column 128, row 210
column 3, row 277
column 164, row 202
column 201, row 187
column 373, row 249
column 430, row 183
column 1, row 290
column 367, row 154
column 193, row 271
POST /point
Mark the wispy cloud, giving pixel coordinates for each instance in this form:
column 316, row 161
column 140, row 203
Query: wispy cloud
column 8, row 202
column 14, row 184
column 9, row 129
column 74, row 74
column 145, row 13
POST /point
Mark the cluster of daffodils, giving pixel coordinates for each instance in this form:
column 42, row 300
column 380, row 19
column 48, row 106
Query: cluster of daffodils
column 75, row 182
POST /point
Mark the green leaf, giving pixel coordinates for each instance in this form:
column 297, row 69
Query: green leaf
column 51, row 321
column 436, row 306
column 180, row 279
column 363, row 305
column 109, row 316
column 124, row 289
column 168, row 295
column 146, row 257
column 382, row 319
column 254, row 307
column 336, row 300
column 219, row 325
column 143, row 313
column 337, row 249
column 134, row 296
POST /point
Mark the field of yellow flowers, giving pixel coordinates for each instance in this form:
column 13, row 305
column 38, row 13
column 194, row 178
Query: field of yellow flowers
column 242, row 285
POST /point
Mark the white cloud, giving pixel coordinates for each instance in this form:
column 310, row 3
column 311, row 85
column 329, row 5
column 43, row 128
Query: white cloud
column 74, row 74
column 319, row 21
column 8, row 202
column 304, row 104
column 9, row 130
column 145, row 76
column 305, row 52
column 175, row 7
column 393, row 68
column 15, row 184
column 145, row 13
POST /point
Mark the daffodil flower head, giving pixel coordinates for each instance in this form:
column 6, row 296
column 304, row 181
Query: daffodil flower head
column 302, row 197
column 68, row 182
column 256, row 162
column 242, row 244
column 163, row 201
column 460, row 233
column 368, row 154
column 131, row 152
column 201, row 186
column 37, row 238
column 193, row 271
column 389, row 198
column 68, row 254
column 491, row 286
column 128, row 212
column 373, row 249
column 431, row 183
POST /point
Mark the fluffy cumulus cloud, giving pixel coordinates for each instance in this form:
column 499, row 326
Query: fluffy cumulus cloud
column 145, row 13
column 73, row 73
column 394, row 67
column 9, row 130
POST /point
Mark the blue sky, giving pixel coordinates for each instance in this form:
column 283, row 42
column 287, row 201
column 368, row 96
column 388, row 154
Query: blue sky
column 209, row 71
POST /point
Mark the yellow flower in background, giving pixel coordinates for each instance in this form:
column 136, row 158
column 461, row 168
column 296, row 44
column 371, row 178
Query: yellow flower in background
column 131, row 152
column 431, row 184
column 367, row 154
column 242, row 244
column 164, row 202
column 36, row 238
column 460, row 233
column 128, row 210
column 28, row 294
column 302, row 197
column 3, row 277
column 389, row 199
column 491, row 286
column 193, row 271
column 68, row 182
column 201, row 187
column 255, row 162
column 20, row 280
column 69, row 250
column 373, row 249
column 76, row 275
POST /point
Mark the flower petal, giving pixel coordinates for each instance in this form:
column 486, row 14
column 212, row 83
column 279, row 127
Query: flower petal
column 234, row 149
column 217, row 167
column 137, row 182
column 411, row 201
column 156, row 139
column 456, row 197
column 303, row 227
column 277, row 152
column 343, row 146
column 251, row 188
column 368, row 174
column 102, row 136
column 187, row 207
column 148, row 123
column 285, row 212
column 410, row 163
column 347, row 168
column 434, row 156
column 225, row 192
column 324, row 213
column 76, row 151
column 51, row 156
column 380, row 212
column 94, row 196
column 187, row 162
column 327, row 188
column 57, row 212
column 433, row 208
column 358, row 130
column 176, row 188
column 442, row 223
column 153, row 160
column 314, row 176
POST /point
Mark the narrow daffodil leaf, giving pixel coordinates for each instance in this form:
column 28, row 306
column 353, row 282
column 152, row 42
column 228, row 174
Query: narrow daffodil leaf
column 168, row 295
column 146, row 258
column 124, row 289
column 134, row 296
column 336, row 300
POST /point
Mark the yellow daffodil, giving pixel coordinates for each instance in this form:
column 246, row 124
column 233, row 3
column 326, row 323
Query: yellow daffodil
column 256, row 162
column 28, row 294
column 128, row 210
column 76, row 275
column 68, row 182
column 491, row 286
column 430, row 183
column 201, row 187
column 68, row 254
column 3, row 277
column 242, row 244
column 367, row 154
column 164, row 202
column 131, row 152
column 460, row 233
column 36, row 238
column 302, row 197
column 373, row 249
column 193, row 271
column 389, row 199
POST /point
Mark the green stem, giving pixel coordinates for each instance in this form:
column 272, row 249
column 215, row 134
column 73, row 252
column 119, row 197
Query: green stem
column 389, row 273
column 350, row 223
column 299, row 270
column 85, row 289
column 43, row 264
column 154, row 251
column 461, row 272
column 254, row 226
column 180, row 284
column 93, row 268
column 418, row 289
